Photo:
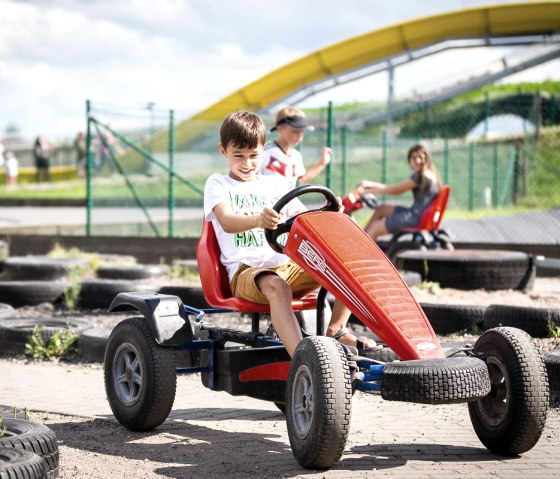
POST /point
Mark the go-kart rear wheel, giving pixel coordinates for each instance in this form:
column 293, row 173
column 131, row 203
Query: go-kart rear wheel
column 318, row 402
column 510, row 420
column 140, row 376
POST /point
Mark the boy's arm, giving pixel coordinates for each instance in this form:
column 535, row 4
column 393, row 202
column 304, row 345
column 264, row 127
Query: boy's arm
column 232, row 223
column 312, row 172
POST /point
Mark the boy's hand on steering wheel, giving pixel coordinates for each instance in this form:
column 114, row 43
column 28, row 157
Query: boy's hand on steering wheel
column 340, row 205
column 268, row 218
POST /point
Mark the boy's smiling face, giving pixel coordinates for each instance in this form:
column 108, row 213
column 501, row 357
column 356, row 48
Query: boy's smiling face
column 243, row 163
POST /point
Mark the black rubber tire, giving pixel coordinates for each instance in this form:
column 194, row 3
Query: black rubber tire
column 15, row 332
column 535, row 321
column 318, row 402
column 552, row 362
column 21, row 464
column 469, row 269
column 99, row 293
column 92, row 343
column 6, row 310
column 411, row 278
column 384, row 354
column 132, row 271
column 453, row 318
column 185, row 264
column 190, row 295
column 44, row 268
column 400, row 247
column 31, row 293
column 109, row 258
column 4, row 250
column 511, row 419
column 435, row 381
column 14, row 412
column 33, row 437
column 140, row 376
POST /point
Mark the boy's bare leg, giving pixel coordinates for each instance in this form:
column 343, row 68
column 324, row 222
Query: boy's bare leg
column 339, row 320
column 283, row 319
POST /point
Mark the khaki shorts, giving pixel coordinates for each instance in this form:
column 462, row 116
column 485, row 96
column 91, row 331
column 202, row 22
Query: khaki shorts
column 243, row 284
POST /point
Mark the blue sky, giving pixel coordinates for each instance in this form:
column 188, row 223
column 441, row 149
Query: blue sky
column 185, row 55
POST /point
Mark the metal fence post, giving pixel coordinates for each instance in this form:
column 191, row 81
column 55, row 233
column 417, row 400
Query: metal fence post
column 471, row 176
column 495, row 176
column 89, row 161
column 330, row 130
column 343, row 140
column 446, row 161
column 171, row 193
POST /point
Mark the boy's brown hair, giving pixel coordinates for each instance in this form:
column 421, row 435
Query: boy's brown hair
column 243, row 129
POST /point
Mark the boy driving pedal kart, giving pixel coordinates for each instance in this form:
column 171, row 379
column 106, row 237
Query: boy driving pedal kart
column 239, row 206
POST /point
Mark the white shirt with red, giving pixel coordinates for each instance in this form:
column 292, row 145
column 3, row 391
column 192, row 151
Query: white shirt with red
column 276, row 161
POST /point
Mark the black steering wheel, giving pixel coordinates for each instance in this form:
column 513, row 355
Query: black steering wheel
column 282, row 228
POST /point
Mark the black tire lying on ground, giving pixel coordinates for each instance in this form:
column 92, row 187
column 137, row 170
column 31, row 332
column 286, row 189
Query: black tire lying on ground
column 99, row 293
column 31, row 293
column 6, row 310
column 11, row 411
column 132, row 271
column 469, row 269
column 23, row 268
column 552, row 362
column 411, row 278
column 535, row 321
column 402, row 246
column 435, row 381
column 21, row 464
column 15, row 332
column 33, row 437
column 92, row 343
column 453, row 318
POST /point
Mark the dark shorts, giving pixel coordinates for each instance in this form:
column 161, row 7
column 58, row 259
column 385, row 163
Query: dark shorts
column 401, row 218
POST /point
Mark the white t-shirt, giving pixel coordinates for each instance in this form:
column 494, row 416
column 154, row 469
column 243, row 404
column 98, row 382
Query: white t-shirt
column 12, row 166
column 246, row 198
column 276, row 161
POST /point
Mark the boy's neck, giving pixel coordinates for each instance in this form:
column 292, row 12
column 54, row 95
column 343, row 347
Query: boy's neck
column 284, row 146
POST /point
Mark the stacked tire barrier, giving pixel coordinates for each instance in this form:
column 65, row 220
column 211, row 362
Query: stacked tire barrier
column 28, row 450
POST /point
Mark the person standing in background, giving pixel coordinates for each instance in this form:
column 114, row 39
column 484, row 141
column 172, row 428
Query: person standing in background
column 12, row 168
column 81, row 153
column 42, row 153
column 280, row 156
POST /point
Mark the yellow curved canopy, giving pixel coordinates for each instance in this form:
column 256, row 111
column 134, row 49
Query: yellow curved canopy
column 492, row 21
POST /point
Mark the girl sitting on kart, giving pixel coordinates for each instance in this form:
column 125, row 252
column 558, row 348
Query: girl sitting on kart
column 425, row 184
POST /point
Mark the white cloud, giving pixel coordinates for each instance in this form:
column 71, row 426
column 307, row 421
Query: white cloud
column 186, row 55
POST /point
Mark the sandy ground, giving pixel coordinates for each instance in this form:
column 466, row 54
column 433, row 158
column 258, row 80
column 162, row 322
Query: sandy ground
column 95, row 448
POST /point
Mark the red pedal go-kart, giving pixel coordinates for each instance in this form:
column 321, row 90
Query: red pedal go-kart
column 502, row 377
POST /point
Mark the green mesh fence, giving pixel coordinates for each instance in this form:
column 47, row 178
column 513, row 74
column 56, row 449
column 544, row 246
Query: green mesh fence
column 495, row 151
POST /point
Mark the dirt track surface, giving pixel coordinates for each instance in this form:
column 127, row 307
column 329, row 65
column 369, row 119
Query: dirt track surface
column 212, row 434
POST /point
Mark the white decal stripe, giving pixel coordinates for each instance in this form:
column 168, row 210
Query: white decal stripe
column 348, row 293
column 316, row 261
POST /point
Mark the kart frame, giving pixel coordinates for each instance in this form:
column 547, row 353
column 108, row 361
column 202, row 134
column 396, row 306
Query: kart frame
column 314, row 388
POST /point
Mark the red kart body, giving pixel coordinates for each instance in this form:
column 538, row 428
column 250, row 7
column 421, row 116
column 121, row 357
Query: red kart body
column 343, row 259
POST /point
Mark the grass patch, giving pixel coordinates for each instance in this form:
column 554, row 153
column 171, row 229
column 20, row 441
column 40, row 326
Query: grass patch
column 60, row 345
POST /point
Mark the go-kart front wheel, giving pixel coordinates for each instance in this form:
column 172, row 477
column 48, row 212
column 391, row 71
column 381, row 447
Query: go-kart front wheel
column 140, row 376
column 511, row 418
column 318, row 402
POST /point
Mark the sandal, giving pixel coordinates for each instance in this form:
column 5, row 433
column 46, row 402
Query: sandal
column 360, row 341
